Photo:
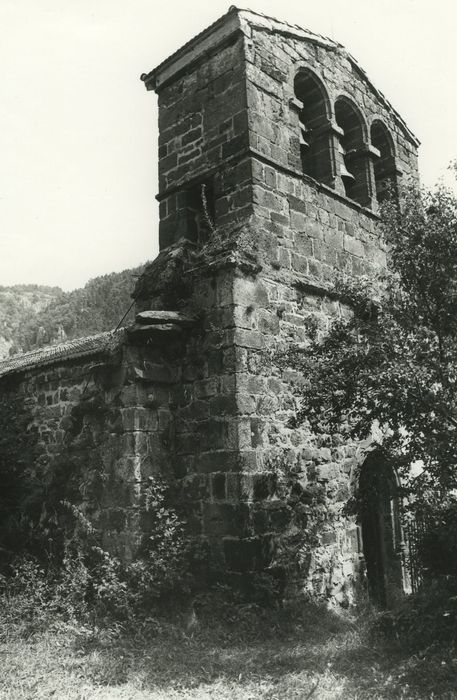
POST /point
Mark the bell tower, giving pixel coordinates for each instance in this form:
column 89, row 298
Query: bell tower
column 203, row 134
column 275, row 150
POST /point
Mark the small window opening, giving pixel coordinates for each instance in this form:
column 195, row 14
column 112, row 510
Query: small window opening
column 200, row 212
column 352, row 161
column 384, row 166
column 313, row 115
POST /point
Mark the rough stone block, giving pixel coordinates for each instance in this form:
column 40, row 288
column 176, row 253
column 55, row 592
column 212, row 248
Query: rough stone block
column 218, row 489
column 298, row 221
column 257, row 432
column 246, row 403
column 136, row 418
column 218, row 461
column 354, row 246
column 235, row 145
column 248, row 338
column 300, row 263
column 233, row 487
column 268, row 322
column 251, row 554
column 264, row 485
column 205, row 388
column 219, row 432
column 280, row 516
column 226, row 519
column 267, row 405
column 284, row 258
column 183, row 465
column 196, row 487
column 223, row 405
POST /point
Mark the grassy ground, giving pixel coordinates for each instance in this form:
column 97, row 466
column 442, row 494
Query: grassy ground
column 231, row 653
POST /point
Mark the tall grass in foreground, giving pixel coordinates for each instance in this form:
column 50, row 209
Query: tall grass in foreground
column 215, row 648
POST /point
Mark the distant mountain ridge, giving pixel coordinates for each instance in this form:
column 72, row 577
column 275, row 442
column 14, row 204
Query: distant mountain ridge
column 33, row 316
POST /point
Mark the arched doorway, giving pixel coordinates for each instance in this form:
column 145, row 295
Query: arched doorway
column 379, row 519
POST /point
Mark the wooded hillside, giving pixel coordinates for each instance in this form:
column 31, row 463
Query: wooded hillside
column 32, row 316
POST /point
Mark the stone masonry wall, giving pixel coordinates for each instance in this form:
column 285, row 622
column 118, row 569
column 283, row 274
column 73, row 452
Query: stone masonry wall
column 273, row 60
column 206, row 107
column 249, row 250
column 97, row 429
column 202, row 125
column 302, row 234
column 264, row 496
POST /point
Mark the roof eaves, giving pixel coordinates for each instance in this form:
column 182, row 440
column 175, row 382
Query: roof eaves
column 102, row 343
column 187, row 50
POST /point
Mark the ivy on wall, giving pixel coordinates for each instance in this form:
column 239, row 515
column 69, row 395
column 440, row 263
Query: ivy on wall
column 17, row 475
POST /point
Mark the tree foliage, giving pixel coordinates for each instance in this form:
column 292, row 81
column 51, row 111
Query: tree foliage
column 393, row 359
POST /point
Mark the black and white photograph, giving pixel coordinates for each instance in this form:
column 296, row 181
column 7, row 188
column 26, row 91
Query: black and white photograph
column 228, row 350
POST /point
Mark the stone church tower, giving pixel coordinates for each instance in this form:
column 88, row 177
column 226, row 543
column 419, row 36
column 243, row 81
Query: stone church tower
column 275, row 150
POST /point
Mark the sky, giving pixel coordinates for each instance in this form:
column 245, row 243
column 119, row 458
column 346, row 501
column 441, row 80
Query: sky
column 78, row 130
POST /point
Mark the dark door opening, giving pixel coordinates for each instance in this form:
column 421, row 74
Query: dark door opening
column 379, row 518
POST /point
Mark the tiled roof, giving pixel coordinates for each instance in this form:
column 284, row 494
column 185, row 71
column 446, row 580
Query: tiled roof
column 54, row 354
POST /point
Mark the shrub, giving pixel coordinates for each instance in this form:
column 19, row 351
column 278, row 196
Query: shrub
column 429, row 616
column 89, row 582
column 437, row 543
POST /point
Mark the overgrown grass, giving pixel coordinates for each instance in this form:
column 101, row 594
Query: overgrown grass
column 227, row 651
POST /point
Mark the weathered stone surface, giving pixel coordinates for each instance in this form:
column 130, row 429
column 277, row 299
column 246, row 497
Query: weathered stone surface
column 159, row 317
column 300, row 234
column 154, row 329
column 250, row 246
column 96, row 424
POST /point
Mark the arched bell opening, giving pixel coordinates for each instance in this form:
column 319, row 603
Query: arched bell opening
column 315, row 137
column 384, row 167
column 352, row 152
column 379, row 518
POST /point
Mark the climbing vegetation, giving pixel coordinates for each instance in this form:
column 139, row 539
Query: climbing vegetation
column 391, row 364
